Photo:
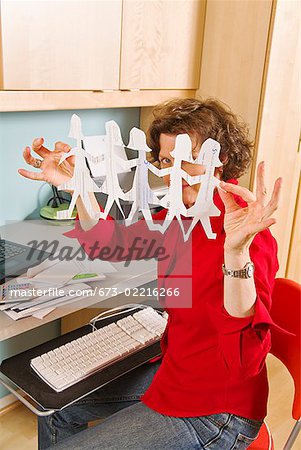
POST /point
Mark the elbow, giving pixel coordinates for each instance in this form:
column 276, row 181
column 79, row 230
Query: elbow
column 246, row 354
column 239, row 312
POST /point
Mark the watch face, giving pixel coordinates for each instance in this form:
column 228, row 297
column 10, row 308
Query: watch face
column 250, row 270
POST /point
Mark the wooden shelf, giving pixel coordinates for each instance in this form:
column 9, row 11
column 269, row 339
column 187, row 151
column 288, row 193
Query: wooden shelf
column 59, row 100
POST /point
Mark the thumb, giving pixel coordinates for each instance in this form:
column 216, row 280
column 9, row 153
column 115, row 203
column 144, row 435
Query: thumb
column 228, row 200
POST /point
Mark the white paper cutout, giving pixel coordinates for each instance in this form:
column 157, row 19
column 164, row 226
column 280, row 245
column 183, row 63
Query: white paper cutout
column 81, row 183
column 173, row 200
column 110, row 159
column 204, row 207
column 141, row 194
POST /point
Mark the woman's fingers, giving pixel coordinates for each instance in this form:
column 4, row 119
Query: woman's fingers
column 272, row 206
column 28, row 156
column 260, row 226
column 228, row 200
column 243, row 192
column 61, row 147
column 31, row 175
column 261, row 191
column 37, row 146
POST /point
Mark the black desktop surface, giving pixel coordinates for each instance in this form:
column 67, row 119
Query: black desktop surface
column 18, row 370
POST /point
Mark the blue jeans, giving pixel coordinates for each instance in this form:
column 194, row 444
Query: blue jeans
column 129, row 424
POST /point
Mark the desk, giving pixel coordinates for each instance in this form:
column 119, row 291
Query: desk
column 136, row 274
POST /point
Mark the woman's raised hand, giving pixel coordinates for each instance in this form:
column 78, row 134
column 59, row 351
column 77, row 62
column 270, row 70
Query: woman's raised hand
column 242, row 224
column 48, row 163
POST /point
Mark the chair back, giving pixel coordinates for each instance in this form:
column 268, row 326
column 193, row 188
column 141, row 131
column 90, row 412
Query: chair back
column 286, row 312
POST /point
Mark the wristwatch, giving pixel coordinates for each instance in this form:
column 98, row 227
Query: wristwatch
column 246, row 272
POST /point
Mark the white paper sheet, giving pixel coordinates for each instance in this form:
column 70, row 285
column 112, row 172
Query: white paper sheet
column 38, row 314
column 54, row 273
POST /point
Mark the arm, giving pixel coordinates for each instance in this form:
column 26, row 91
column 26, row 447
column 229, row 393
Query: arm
column 244, row 341
column 241, row 226
column 242, row 318
column 244, row 289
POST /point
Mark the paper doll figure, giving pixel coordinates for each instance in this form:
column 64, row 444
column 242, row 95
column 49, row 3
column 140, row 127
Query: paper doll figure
column 97, row 146
column 111, row 158
column 81, row 182
column 173, row 199
column 141, row 194
column 204, row 206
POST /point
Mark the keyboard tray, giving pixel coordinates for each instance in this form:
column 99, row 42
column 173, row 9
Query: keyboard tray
column 17, row 369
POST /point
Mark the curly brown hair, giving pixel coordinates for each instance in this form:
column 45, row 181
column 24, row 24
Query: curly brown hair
column 204, row 119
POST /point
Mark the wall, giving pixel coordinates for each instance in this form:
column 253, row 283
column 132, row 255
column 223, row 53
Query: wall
column 21, row 198
column 17, row 130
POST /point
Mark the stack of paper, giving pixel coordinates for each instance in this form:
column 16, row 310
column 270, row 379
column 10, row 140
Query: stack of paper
column 42, row 305
column 50, row 284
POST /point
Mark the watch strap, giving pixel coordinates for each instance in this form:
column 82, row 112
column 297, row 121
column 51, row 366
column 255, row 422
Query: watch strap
column 239, row 273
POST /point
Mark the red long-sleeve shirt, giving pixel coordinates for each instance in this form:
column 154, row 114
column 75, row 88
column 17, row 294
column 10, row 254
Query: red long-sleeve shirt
column 212, row 362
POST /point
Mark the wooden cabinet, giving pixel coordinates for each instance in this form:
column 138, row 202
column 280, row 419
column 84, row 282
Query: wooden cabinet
column 279, row 122
column 251, row 61
column 76, row 45
column 161, row 44
column 234, row 55
column 60, row 45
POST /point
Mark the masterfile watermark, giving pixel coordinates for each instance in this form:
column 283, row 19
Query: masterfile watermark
column 52, row 292
column 160, row 265
column 140, row 249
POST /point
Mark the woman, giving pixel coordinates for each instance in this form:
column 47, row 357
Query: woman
column 210, row 391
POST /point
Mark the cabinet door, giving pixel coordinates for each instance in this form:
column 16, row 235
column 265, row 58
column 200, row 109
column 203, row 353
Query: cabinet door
column 279, row 128
column 60, row 45
column 234, row 54
column 161, row 44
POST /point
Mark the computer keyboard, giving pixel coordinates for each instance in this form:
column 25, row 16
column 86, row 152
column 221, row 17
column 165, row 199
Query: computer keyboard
column 9, row 249
column 70, row 363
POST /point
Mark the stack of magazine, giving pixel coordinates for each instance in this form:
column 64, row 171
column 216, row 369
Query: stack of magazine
column 49, row 285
